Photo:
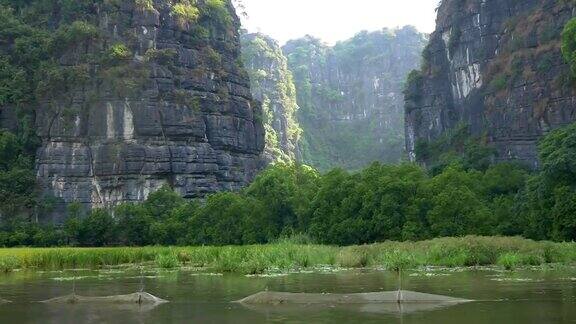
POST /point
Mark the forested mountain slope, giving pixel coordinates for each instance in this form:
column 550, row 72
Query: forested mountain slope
column 350, row 96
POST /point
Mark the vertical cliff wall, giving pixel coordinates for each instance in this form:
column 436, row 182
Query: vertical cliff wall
column 350, row 96
column 272, row 84
column 495, row 67
column 133, row 95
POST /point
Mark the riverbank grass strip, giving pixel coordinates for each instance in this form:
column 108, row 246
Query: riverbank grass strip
column 508, row 252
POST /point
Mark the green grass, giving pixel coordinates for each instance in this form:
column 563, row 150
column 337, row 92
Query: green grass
column 512, row 260
column 167, row 261
column 508, row 252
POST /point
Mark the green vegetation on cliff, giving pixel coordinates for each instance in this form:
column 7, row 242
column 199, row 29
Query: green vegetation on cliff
column 569, row 44
column 29, row 71
column 272, row 84
column 455, row 145
column 34, row 35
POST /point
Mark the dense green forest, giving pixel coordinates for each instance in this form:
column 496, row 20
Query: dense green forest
column 382, row 202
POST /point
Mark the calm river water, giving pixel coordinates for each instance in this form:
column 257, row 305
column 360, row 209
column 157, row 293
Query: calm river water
column 527, row 296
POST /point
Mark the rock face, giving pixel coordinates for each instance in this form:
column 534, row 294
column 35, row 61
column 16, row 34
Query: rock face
column 495, row 66
column 272, row 84
column 167, row 101
column 350, row 96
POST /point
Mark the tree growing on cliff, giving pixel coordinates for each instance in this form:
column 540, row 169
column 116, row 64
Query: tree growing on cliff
column 413, row 90
column 569, row 44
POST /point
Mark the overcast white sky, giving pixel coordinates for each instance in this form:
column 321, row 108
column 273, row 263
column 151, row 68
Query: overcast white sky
column 333, row 20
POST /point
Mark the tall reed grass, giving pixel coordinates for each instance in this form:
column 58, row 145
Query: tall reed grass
column 509, row 252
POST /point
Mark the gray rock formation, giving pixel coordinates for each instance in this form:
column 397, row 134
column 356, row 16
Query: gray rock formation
column 272, row 84
column 350, row 96
column 167, row 102
column 495, row 66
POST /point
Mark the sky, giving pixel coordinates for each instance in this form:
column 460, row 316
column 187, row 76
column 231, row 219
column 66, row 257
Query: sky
column 334, row 20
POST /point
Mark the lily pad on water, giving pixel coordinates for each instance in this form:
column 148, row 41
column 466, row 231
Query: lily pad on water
column 208, row 274
column 267, row 275
column 78, row 278
column 429, row 274
column 516, row 280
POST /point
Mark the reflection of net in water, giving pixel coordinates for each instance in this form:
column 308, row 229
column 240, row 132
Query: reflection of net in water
column 139, row 298
column 376, row 302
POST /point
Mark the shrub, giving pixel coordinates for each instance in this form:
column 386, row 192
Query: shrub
column 9, row 263
column 454, row 40
column 166, row 56
column 186, row 11
column 98, row 229
column 569, row 44
column 145, row 4
column 77, row 32
column 499, row 82
column 513, row 260
column 213, row 58
column 352, row 257
column 118, row 52
column 398, row 260
column 167, row 261
column 413, row 90
column 545, row 63
column 217, row 10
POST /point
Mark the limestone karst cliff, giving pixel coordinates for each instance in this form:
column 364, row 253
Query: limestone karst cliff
column 132, row 95
column 272, row 84
column 495, row 68
column 350, row 96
